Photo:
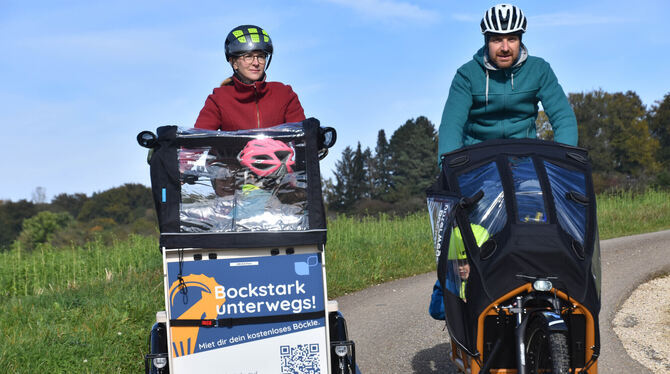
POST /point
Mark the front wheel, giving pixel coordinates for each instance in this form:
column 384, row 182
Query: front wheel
column 546, row 350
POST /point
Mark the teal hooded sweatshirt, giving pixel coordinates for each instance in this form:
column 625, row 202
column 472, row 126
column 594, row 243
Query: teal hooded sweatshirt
column 489, row 103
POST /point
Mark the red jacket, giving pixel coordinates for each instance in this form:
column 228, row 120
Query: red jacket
column 237, row 106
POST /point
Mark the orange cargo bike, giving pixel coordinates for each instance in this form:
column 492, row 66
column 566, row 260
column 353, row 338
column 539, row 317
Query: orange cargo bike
column 524, row 295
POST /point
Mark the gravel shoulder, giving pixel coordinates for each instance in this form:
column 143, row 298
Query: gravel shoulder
column 627, row 263
column 643, row 325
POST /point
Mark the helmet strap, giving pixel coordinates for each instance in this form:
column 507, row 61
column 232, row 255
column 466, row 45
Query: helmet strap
column 267, row 64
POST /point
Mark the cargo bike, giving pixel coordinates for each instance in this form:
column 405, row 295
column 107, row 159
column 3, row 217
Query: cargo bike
column 242, row 237
column 521, row 292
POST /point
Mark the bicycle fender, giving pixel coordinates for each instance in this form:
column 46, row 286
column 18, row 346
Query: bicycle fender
column 553, row 321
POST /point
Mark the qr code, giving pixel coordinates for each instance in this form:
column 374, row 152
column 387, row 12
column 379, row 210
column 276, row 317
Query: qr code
column 300, row 359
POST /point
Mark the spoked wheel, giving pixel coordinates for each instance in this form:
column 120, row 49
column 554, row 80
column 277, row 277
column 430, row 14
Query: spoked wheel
column 546, row 351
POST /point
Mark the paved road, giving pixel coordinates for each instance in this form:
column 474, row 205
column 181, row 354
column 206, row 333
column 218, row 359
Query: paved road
column 394, row 333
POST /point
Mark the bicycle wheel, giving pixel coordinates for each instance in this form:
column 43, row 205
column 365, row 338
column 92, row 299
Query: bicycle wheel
column 546, row 351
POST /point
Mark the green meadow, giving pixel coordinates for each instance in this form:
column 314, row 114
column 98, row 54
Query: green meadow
column 89, row 309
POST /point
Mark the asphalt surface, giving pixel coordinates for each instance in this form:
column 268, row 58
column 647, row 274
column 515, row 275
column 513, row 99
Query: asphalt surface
column 394, row 333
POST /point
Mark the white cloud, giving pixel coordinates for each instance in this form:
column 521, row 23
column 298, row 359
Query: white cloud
column 389, row 9
column 116, row 45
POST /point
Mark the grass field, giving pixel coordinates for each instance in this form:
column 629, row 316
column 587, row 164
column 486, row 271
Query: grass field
column 80, row 310
column 627, row 213
column 89, row 309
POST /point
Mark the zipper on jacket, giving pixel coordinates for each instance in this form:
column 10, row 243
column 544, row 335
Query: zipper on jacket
column 258, row 109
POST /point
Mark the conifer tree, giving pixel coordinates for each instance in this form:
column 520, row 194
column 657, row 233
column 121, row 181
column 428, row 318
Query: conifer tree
column 358, row 183
column 339, row 196
column 413, row 154
column 380, row 169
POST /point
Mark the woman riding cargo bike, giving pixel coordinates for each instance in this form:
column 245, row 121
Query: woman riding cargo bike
column 243, row 231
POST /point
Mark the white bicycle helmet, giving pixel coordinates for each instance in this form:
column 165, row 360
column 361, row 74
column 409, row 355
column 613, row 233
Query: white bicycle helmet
column 503, row 19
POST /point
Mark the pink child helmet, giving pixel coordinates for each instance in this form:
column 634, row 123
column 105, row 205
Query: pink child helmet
column 265, row 157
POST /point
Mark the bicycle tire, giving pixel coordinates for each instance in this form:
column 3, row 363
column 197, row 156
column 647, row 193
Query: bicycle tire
column 545, row 349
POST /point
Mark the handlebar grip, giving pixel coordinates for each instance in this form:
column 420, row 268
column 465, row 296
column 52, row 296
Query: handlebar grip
column 468, row 202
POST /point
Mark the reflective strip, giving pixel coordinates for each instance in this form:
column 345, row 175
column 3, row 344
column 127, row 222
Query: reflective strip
column 164, row 195
column 239, row 34
column 253, row 33
column 177, row 234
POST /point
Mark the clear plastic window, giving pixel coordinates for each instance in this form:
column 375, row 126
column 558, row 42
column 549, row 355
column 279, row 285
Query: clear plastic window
column 458, row 267
column 570, row 213
column 255, row 186
column 490, row 212
column 447, row 237
column 527, row 191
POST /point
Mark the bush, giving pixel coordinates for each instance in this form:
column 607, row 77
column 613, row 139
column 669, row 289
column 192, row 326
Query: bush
column 662, row 180
column 616, row 182
column 372, row 207
column 41, row 227
column 103, row 230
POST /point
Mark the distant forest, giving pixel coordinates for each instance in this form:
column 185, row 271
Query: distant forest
column 77, row 218
column 629, row 146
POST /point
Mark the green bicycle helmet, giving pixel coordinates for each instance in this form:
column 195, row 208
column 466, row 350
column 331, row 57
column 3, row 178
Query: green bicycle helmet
column 246, row 38
column 456, row 247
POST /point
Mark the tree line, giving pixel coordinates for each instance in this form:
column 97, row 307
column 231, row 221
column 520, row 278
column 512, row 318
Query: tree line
column 629, row 147
column 77, row 218
column 392, row 178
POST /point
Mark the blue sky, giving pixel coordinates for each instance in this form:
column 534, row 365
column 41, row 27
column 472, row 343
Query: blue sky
column 80, row 79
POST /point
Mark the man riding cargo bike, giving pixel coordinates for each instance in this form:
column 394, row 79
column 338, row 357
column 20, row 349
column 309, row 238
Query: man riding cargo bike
column 532, row 296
